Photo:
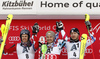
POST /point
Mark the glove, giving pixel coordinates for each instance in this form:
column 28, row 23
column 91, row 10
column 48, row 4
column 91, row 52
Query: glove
column 40, row 44
column 35, row 29
column 87, row 23
column 1, row 41
column 59, row 26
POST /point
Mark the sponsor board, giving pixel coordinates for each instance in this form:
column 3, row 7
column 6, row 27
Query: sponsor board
column 17, row 7
column 62, row 7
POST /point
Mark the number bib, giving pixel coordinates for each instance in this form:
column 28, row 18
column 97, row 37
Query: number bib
column 73, row 54
column 73, row 50
column 25, row 54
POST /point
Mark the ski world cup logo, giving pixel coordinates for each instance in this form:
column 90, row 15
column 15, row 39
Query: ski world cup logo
column 17, row 4
column 42, row 39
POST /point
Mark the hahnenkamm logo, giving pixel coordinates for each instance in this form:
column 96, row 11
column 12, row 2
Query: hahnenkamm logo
column 17, row 4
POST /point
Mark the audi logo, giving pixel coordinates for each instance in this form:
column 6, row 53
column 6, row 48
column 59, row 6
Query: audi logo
column 52, row 56
column 64, row 50
column 88, row 50
column 14, row 38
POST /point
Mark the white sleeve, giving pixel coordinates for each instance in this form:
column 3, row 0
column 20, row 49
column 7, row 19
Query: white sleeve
column 33, row 39
column 89, row 42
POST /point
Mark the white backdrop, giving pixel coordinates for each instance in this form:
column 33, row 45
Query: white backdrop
column 49, row 7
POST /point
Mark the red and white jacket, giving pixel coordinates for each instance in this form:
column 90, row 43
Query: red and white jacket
column 22, row 52
column 56, row 47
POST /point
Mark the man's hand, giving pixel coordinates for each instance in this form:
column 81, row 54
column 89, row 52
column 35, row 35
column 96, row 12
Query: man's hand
column 35, row 29
column 87, row 23
column 1, row 40
column 59, row 26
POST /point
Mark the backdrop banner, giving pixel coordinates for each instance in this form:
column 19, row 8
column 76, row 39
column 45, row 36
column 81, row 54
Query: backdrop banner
column 65, row 7
column 46, row 25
